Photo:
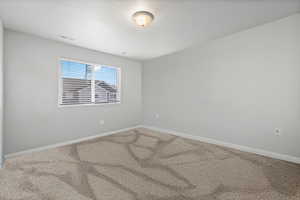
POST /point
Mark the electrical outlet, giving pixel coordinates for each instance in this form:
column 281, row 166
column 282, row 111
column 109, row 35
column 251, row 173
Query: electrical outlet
column 156, row 116
column 101, row 122
column 277, row 132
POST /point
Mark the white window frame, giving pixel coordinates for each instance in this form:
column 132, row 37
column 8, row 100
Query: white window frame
column 60, row 89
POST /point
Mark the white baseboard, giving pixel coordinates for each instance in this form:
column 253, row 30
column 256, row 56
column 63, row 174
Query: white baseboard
column 67, row 143
column 162, row 130
column 230, row 145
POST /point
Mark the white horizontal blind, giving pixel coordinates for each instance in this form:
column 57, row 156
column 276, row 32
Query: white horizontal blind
column 76, row 91
column 88, row 84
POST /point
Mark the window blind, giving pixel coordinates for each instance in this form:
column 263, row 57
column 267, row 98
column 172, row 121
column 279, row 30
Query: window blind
column 88, row 84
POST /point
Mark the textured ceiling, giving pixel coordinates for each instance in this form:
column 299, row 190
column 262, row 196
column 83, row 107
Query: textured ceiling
column 106, row 25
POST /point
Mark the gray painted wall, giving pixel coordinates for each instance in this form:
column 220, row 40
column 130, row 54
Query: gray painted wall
column 1, row 93
column 237, row 89
column 32, row 117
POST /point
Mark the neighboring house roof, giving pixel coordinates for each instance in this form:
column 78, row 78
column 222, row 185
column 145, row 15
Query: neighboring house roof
column 74, row 85
column 106, row 86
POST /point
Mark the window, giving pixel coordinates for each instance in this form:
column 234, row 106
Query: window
column 83, row 83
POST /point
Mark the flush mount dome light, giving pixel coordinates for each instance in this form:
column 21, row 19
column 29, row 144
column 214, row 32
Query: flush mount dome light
column 142, row 18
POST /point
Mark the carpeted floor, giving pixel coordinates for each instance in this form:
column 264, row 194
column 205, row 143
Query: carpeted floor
column 147, row 165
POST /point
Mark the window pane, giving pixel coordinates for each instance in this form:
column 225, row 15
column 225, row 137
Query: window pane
column 76, row 83
column 106, row 84
column 88, row 84
column 73, row 70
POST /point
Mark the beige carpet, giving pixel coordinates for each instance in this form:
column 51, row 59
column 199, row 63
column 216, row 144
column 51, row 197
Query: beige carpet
column 146, row 165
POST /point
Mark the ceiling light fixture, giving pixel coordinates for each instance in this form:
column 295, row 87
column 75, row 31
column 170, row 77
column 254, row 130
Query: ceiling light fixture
column 142, row 18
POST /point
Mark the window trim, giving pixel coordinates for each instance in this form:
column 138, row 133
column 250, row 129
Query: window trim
column 59, row 96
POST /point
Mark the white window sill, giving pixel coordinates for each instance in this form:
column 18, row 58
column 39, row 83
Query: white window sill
column 88, row 105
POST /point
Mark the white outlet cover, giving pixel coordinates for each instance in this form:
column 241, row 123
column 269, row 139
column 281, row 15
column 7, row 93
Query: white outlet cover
column 156, row 116
column 101, row 122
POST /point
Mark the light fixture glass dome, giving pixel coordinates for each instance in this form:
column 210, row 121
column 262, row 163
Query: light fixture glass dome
column 142, row 18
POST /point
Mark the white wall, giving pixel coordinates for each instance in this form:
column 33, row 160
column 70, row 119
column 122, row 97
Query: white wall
column 32, row 117
column 1, row 93
column 237, row 89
